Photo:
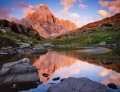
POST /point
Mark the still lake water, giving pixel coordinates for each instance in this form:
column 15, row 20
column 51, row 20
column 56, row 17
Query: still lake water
column 98, row 64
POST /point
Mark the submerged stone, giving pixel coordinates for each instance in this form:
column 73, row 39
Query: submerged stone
column 45, row 74
column 112, row 85
column 62, row 80
column 57, row 78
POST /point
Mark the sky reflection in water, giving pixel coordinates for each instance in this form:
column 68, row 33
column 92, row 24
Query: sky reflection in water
column 60, row 64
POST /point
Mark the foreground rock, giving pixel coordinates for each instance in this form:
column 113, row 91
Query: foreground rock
column 18, row 73
column 78, row 85
column 57, row 78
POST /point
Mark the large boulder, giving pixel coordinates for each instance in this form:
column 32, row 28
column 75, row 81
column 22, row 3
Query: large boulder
column 78, row 85
column 18, row 72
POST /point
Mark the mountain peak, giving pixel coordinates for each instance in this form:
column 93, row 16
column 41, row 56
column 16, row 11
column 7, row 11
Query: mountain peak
column 42, row 6
column 45, row 22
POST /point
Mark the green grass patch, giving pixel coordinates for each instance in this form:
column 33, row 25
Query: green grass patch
column 109, row 37
column 12, row 39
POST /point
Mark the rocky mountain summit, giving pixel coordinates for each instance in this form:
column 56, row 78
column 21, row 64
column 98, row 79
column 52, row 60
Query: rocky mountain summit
column 46, row 24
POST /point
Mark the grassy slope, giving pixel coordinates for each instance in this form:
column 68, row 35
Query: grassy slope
column 96, row 37
column 109, row 37
column 12, row 39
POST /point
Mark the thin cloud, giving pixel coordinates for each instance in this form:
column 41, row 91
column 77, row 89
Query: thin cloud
column 83, row 6
column 104, row 13
column 67, row 5
column 114, row 9
column 104, row 3
column 74, row 15
column 113, row 6
column 22, row 5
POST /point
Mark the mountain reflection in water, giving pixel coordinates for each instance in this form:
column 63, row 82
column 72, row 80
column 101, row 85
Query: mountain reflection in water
column 73, row 63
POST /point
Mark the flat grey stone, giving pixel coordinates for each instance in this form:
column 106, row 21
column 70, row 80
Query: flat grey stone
column 4, row 71
column 19, row 78
column 78, row 85
column 18, row 72
column 22, row 61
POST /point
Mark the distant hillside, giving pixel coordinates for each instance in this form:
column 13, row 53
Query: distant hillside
column 11, row 34
column 106, row 31
column 112, row 23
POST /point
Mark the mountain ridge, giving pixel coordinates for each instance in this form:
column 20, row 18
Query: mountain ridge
column 46, row 24
column 109, row 21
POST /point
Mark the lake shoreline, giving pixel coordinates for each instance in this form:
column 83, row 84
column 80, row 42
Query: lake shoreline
column 42, row 50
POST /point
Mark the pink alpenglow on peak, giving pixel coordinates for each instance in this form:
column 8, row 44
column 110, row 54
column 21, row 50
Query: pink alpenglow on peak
column 45, row 22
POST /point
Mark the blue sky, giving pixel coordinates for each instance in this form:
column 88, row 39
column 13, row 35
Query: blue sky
column 80, row 12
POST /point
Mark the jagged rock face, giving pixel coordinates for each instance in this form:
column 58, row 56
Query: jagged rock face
column 12, row 19
column 45, row 23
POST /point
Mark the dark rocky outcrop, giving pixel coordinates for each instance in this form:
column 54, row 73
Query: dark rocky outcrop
column 14, row 34
column 78, row 85
column 6, row 26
